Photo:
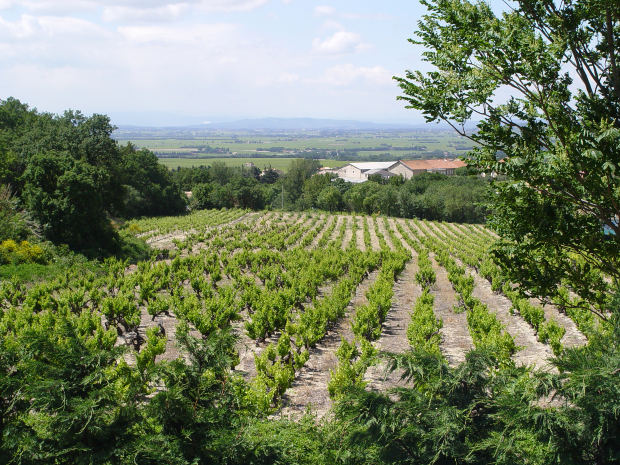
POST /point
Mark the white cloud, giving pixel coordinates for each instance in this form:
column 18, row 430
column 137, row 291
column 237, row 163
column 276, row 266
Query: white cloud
column 179, row 56
column 23, row 28
column 347, row 74
column 338, row 43
column 132, row 9
column 330, row 24
column 205, row 35
column 58, row 7
column 230, row 5
column 165, row 13
column 324, row 10
column 39, row 27
column 288, row 78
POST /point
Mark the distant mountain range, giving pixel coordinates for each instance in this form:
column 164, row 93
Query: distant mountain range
column 287, row 124
column 303, row 124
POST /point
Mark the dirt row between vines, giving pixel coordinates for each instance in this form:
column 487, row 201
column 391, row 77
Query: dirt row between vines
column 359, row 233
column 381, row 228
column 573, row 337
column 348, row 232
column 455, row 338
column 318, row 237
column 309, row 390
column 336, row 232
column 310, row 229
column 374, row 240
column 394, row 331
column 532, row 351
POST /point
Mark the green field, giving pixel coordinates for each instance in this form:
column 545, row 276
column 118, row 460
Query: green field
column 187, row 147
column 261, row 163
column 361, row 144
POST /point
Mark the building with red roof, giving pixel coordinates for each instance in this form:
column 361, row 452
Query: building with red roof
column 409, row 168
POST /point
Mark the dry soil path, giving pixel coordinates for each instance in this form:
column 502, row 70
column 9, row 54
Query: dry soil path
column 359, row 233
column 311, row 228
column 348, row 232
column 394, row 331
column 309, row 390
column 374, row 240
column 573, row 337
column 532, row 351
column 336, row 232
column 380, row 225
column 455, row 338
column 318, row 237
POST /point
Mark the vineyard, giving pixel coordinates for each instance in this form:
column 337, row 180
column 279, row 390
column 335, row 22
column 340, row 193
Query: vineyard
column 311, row 298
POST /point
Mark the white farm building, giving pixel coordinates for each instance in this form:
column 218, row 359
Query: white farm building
column 359, row 172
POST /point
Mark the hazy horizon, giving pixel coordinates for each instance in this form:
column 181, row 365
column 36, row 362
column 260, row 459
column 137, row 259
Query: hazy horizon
column 179, row 62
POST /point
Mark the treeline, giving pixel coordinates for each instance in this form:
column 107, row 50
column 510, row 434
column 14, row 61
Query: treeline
column 428, row 196
column 70, row 178
column 222, row 186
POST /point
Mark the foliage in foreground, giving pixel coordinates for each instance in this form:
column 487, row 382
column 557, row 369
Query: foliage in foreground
column 557, row 135
column 475, row 413
column 66, row 399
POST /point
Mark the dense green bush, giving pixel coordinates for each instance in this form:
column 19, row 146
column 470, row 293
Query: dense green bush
column 71, row 176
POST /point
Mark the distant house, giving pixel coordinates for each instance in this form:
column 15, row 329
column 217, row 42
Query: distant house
column 326, row 170
column 275, row 170
column 409, row 168
column 358, row 172
column 385, row 174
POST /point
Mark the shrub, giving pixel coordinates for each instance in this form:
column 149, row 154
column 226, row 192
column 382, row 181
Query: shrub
column 22, row 252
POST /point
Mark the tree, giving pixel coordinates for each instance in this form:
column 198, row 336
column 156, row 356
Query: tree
column 247, row 192
column 220, row 172
column 150, row 187
column 312, row 188
column 65, row 170
column 222, row 196
column 62, row 195
column 299, row 171
column 14, row 223
column 201, row 196
column 329, row 199
column 557, row 133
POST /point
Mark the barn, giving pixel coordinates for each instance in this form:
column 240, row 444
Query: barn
column 359, row 172
column 409, row 168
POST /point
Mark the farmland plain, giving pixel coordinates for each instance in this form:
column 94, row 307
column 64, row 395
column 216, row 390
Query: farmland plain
column 261, row 163
column 341, row 145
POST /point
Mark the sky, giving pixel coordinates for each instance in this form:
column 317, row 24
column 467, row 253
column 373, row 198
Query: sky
column 168, row 62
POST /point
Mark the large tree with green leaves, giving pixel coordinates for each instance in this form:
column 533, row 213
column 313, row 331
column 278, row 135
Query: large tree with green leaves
column 537, row 88
column 70, row 175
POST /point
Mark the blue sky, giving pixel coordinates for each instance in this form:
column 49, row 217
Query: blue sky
column 178, row 62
